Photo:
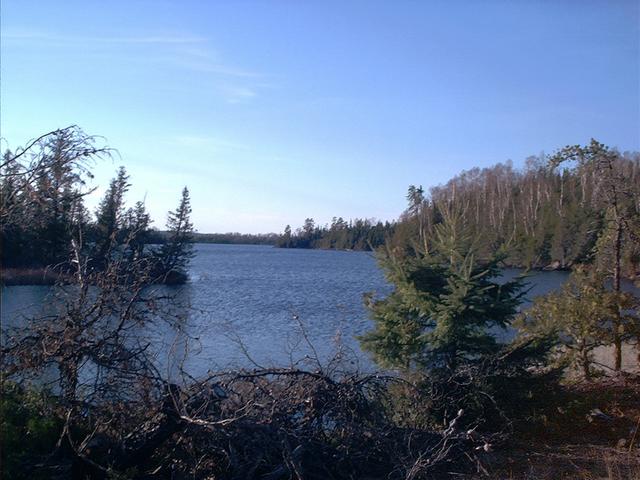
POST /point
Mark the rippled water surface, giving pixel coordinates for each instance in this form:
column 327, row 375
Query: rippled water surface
column 258, row 297
column 262, row 296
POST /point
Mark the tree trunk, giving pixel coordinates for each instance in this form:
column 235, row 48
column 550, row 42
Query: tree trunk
column 69, row 379
column 617, row 335
column 586, row 365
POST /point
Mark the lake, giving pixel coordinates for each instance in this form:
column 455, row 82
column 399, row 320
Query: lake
column 268, row 302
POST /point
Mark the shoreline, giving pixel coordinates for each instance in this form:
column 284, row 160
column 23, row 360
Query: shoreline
column 33, row 277
column 12, row 277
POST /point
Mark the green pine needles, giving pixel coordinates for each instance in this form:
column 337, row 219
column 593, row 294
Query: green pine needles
column 446, row 307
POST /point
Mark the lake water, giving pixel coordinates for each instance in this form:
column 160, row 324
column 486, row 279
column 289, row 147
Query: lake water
column 266, row 300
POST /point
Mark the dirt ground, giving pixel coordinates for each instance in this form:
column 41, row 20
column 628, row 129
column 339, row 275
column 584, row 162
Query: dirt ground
column 596, row 436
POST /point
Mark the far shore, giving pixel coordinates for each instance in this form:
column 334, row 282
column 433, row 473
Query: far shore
column 10, row 277
column 13, row 277
column 32, row 276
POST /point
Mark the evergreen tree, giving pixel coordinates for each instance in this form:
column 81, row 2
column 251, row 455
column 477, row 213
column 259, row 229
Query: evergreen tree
column 136, row 224
column 286, row 239
column 357, row 234
column 178, row 251
column 14, row 214
column 42, row 187
column 60, row 198
column 416, row 199
column 445, row 307
column 308, row 231
column 578, row 316
column 441, row 327
column 618, row 199
column 110, row 219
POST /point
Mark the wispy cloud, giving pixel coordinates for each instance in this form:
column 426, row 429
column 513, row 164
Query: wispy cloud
column 232, row 83
column 59, row 40
column 199, row 58
column 237, row 94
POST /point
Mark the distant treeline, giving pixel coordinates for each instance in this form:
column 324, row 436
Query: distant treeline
column 543, row 215
column 358, row 234
column 230, row 238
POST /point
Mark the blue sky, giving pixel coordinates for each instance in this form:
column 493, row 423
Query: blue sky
column 273, row 111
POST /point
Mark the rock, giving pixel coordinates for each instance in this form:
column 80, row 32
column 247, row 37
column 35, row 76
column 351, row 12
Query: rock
column 555, row 265
column 596, row 413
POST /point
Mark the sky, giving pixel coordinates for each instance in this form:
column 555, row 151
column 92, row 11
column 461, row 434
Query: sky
column 274, row 111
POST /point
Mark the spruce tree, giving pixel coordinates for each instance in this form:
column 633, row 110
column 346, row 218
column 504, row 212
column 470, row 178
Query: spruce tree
column 444, row 326
column 176, row 253
column 110, row 217
column 446, row 307
column 137, row 223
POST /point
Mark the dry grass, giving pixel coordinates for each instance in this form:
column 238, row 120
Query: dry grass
column 568, row 462
column 595, row 436
column 583, row 462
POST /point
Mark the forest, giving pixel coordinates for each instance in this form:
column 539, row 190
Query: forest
column 236, row 238
column 45, row 223
column 549, row 214
column 84, row 395
column 358, row 234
